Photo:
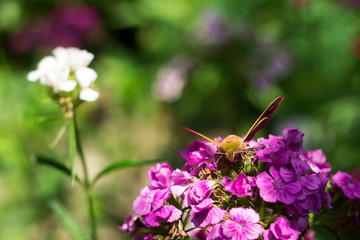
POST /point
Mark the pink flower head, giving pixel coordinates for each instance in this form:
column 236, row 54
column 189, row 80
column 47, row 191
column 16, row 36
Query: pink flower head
column 167, row 213
column 282, row 229
column 205, row 214
column 129, row 223
column 150, row 200
column 278, row 155
column 240, row 187
column 160, row 175
column 244, row 224
column 199, row 151
column 197, row 192
column 349, row 185
column 317, row 161
column 199, row 154
column 293, row 138
column 273, row 188
column 198, row 234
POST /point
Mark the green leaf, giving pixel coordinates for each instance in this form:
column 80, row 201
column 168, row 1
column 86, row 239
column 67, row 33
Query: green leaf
column 67, row 221
column 55, row 164
column 122, row 164
column 72, row 150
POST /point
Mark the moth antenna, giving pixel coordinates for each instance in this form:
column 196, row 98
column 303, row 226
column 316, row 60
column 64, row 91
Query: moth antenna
column 200, row 135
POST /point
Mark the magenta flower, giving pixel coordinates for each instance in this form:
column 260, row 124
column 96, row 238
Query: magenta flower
column 298, row 172
column 215, row 233
column 198, row 234
column 349, row 185
column 129, row 223
column 150, row 200
column 160, row 175
column 293, row 138
column 317, row 161
column 244, row 224
column 282, row 229
column 194, row 193
column 240, row 187
column 149, row 237
column 273, row 188
column 199, row 154
column 167, row 213
column 205, row 213
column 278, row 155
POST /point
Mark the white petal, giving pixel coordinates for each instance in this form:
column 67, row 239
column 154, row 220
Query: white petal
column 72, row 57
column 68, row 85
column 89, row 95
column 85, row 76
column 33, row 76
column 47, row 63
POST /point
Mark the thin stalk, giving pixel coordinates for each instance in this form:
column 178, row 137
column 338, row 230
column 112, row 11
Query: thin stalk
column 87, row 185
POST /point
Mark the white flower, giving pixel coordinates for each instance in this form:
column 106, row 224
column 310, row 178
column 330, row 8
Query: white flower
column 65, row 70
column 72, row 57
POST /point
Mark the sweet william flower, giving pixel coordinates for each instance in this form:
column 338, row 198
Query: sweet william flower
column 150, row 200
column 273, row 188
column 317, row 161
column 167, row 213
column 350, row 186
column 244, row 224
column 282, row 229
column 240, row 187
column 205, row 213
column 160, row 175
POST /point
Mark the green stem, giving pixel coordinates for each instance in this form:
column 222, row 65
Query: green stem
column 87, row 185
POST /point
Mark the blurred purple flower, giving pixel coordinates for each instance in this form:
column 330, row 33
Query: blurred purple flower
column 211, row 29
column 269, row 65
column 69, row 24
column 351, row 3
column 129, row 223
column 171, row 79
column 349, row 185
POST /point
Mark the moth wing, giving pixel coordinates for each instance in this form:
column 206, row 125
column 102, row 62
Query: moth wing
column 263, row 119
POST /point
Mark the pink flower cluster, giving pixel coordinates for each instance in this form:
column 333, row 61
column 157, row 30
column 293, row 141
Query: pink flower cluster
column 268, row 192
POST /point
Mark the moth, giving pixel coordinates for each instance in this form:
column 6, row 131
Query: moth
column 232, row 144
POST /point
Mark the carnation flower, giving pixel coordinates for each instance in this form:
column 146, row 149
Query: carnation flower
column 240, row 187
column 349, row 185
column 282, row 229
column 268, row 192
column 244, row 224
column 273, row 188
column 317, row 161
column 167, row 213
column 205, row 213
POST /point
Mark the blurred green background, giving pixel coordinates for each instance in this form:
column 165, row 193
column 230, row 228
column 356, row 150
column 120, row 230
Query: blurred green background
column 210, row 65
